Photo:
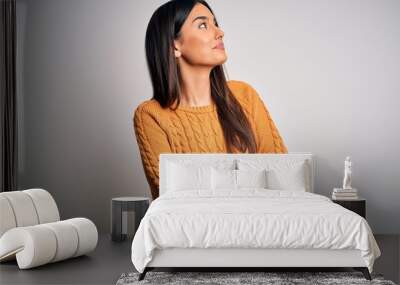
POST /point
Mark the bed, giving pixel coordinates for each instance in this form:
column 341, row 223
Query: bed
column 247, row 211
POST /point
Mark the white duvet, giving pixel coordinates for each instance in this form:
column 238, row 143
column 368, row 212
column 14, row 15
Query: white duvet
column 250, row 218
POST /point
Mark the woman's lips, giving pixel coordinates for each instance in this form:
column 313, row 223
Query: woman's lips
column 220, row 46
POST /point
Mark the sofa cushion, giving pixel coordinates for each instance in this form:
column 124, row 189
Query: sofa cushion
column 51, row 242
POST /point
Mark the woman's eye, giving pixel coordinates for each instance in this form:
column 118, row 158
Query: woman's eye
column 204, row 23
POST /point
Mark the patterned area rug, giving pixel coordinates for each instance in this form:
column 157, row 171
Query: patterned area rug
column 225, row 278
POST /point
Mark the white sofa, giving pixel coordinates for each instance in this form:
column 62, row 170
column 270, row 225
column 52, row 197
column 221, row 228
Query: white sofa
column 31, row 231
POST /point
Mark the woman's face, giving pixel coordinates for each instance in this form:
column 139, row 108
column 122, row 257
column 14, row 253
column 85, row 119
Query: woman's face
column 199, row 38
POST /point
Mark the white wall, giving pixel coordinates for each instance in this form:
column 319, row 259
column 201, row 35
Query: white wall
column 327, row 71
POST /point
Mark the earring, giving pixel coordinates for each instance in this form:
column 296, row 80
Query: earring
column 177, row 53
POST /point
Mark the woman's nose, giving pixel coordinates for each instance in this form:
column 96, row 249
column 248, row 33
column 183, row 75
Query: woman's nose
column 220, row 33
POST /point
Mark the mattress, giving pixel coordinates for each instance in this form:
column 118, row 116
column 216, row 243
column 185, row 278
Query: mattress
column 250, row 218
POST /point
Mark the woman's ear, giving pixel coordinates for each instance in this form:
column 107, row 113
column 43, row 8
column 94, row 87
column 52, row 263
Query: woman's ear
column 177, row 51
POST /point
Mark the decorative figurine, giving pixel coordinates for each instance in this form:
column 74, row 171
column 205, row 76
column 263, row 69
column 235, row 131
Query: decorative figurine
column 347, row 174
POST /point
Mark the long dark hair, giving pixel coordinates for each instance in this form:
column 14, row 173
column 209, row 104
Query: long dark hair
column 164, row 26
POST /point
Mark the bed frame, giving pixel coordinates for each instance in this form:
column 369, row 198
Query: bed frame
column 248, row 259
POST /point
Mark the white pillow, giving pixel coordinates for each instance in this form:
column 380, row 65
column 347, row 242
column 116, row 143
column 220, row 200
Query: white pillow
column 293, row 178
column 236, row 179
column 181, row 177
column 281, row 174
column 223, row 179
column 251, row 178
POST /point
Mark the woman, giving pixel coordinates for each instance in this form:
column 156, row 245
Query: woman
column 193, row 108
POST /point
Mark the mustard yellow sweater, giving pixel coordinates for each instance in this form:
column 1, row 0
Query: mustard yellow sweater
column 197, row 130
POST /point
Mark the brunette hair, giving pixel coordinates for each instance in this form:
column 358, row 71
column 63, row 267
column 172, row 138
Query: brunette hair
column 164, row 26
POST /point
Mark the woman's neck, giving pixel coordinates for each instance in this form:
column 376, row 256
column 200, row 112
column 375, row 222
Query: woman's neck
column 195, row 87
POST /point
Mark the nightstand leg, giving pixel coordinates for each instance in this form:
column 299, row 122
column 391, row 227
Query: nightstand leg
column 116, row 226
column 140, row 211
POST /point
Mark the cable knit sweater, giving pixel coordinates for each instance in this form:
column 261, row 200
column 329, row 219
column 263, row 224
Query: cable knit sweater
column 197, row 130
